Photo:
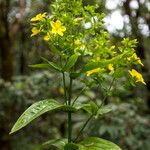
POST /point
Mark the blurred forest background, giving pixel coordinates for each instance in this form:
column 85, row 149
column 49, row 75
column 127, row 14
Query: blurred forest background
column 128, row 125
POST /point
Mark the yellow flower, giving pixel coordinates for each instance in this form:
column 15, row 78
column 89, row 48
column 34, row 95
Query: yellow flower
column 57, row 28
column 110, row 67
column 92, row 71
column 134, row 57
column 47, row 37
column 39, row 17
column 138, row 77
column 35, row 31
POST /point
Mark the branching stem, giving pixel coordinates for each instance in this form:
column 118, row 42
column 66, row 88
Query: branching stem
column 78, row 95
column 88, row 120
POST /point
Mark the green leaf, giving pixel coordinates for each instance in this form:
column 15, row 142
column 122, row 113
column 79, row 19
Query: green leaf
column 52, row 64
column 79, row 105
column 75, row 75
column 119, row 72
column 59, row 143
column 93, row 65
column 90, row 66
column 94, row 143
column 71, row 62
column 34, row 111
column 103, row 63
column 42, row 66
column 71, row 146
column 54, row 49
column 69, row 108
column 92, row 108
column 104, row 110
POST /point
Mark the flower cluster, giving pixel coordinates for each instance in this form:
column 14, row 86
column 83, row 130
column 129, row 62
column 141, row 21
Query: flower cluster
column 92, row 71
column 69, row 36
column 137, row 76
column 134, row 57
column 56, row 27
column 39, row 17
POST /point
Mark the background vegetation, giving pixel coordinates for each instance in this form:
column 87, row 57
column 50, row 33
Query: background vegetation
column 128, row 125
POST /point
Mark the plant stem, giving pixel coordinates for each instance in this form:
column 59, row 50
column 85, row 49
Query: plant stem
column 79, row 95
column 103, row 101
column 65, row 92
column 88, row 120
column 69, row 113
column 69, row 127
column 83, row 127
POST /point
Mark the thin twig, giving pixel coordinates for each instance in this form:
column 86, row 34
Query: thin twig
column 106, row 93
column 83, row 127
column 78, row 95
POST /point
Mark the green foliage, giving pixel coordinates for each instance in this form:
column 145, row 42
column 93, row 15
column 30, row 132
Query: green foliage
column 97, row 144
column 82, row 50
column 71, row 62
column 126, row 125
column 35, row 111
column 60, row 143
column 93, row 143
column 52, row 65
column 114, row 126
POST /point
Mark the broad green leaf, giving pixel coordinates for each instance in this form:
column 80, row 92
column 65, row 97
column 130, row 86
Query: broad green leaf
column 71, row 62
column 43, row 66
column 34, row 111
column 59, row 143
column 71, row 146
column 94, row 143
column 52, row 64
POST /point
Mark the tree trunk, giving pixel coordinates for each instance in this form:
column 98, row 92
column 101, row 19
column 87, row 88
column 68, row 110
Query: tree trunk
column 5, row 43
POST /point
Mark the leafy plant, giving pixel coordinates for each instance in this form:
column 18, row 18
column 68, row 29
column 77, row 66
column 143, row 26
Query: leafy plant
column 80, row 49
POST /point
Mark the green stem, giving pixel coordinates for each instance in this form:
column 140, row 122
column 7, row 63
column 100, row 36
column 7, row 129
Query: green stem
column 69, row 127
column 88, row 120
column 69, row 113
column 83, row 127
column 65, row 92
column 103, row 101
column 79, row 95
